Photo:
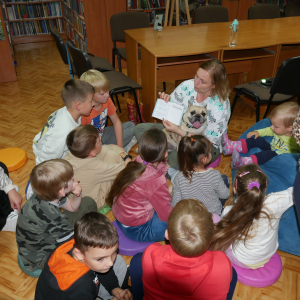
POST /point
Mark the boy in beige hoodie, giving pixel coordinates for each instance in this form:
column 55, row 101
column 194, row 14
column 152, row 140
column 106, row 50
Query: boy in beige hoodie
column 96, row 167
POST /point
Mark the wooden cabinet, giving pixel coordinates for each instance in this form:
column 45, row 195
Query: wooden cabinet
column 238, row 9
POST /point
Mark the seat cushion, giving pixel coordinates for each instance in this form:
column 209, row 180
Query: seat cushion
column 261, row 277
column 118, row 79
column 13, row 158
column 263, row 93
column 129, row 247
column 101, row 64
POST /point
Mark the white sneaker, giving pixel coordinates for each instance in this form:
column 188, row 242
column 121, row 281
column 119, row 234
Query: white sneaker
column 131, row 144
column 11, row 221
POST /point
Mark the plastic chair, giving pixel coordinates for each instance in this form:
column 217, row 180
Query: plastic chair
column 286, row 86
column 98, row 63
column 125, row 21
column 263, row 11
column 119, row 82
column 292, row 9
column 211, row 14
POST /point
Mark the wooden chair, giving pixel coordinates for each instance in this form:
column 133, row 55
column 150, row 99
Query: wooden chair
column 292, row 9
column 263, row 11
column 119, row 82
column 286, row 86
column 211, row 14
column 98, row 63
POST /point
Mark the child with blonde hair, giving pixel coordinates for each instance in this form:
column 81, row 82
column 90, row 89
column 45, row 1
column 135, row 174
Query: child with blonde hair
column 120, row 134
column 248, row 230
column 282, row 118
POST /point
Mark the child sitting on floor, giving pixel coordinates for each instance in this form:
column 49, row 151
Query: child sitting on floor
column 194, row 181
column 42, row 226
column 120, row 134
column 282, row 118
column 95, row 166
column 185, row 269
column 139, row 197
column 79, row 267
column 248, row 230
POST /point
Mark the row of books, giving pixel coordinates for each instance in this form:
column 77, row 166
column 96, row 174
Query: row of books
column 68, row 14
column 18, row 12
column 80, row 26
column 35, row 27
column 80, row 43
column 23, row 1
column 70, row 31
column 77, row 6
column 146, row 4
column 67, row 2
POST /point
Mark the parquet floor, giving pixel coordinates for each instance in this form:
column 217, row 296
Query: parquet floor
column 26, row 104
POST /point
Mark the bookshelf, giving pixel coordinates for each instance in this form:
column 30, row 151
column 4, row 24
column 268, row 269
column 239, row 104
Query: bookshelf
column 7, row 68
column 151, row 7
column 30, row 20
column 87, row 24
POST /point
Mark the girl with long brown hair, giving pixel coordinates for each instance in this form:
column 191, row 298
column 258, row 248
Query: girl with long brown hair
column 248, row 230
column 139, row 196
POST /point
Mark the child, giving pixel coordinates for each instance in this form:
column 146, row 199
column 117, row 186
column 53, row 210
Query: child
column 195, row 181
column 121, row 133
column 282, row 118
column 248, row 230
column 79, row 267
column 185, row 269
column 139, row 197
column 10, row 201
column 42, row 226
column 51, row 141
column 95, row 166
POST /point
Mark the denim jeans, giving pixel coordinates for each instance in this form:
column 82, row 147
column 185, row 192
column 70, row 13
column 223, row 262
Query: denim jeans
column 152, row 231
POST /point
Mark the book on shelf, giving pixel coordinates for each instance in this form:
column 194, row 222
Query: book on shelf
column 145, row 4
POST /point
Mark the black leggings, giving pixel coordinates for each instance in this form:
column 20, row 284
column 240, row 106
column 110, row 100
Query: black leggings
column 5, row 208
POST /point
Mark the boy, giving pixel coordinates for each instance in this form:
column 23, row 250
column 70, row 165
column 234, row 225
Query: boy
column 119, row 134
column 185, row 269
column 95, row 166
column 282, row 118
column 41, row 225
column 51, row 141
column 76, row 269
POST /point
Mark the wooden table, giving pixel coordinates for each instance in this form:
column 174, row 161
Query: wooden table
column 176, row 52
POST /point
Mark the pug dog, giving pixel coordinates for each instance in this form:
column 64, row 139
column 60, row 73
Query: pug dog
column 193, row 120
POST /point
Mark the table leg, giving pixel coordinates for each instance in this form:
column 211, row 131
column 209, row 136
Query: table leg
column 132, row 58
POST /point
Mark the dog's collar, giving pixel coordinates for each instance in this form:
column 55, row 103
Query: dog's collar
column 188, row 125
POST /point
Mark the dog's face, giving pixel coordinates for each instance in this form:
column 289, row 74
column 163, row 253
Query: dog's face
column 194, row 119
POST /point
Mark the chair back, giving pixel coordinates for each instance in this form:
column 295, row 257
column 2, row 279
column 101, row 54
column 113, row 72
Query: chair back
column 287, row 80
column 60, row 44
column 125, row 21
column 292, row 9
column 211, row 14
column 80, row 59
column 263, row 11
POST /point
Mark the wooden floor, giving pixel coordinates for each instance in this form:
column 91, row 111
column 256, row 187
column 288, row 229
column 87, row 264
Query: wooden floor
column 25, row 106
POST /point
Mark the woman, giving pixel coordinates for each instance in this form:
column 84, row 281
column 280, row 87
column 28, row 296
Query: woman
column 209, row 89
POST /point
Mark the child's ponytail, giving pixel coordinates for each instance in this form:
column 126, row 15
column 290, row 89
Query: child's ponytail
column 190, row 153
column 250, row 185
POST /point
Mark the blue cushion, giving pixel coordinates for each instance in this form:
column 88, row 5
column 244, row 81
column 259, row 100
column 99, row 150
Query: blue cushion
column 281, row 171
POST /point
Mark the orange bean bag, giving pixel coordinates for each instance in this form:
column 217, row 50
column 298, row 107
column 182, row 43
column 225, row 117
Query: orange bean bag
column 13, row 158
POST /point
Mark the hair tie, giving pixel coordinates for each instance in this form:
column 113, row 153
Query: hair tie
column 192, row 139
column 252, row 184
column 145, row 163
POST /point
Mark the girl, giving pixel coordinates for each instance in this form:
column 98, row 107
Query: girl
column 248, row 230
column 195, row 182
column 139, row 196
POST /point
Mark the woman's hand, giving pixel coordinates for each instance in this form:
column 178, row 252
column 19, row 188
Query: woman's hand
column 170, row 126
column 164, row 96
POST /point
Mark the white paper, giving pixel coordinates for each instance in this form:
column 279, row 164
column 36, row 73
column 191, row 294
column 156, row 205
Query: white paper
column 169, row 111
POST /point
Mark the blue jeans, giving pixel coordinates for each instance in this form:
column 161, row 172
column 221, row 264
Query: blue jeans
column 136, row 274
column 152, row 231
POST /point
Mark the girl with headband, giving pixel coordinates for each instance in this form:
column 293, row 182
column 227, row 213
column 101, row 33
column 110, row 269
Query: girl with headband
column 194, row 181
column 139, row 196
column 248, row 230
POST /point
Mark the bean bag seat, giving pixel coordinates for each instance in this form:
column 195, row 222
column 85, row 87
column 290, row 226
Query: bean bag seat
column 215, row 163
column 281, row 171
column 13, row 158
column 261, row 277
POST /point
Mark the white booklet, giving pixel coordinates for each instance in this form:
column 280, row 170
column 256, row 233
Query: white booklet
column 169, row 111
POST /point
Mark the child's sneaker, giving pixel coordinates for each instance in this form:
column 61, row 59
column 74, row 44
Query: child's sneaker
column 11, row 221
column 130, row 144
column 238, row 161
column 229, row 146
